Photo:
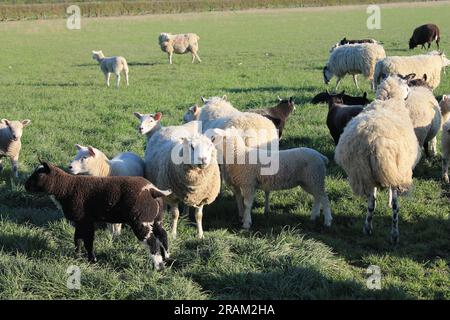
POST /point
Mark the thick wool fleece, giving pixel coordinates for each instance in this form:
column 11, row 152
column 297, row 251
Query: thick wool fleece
column 178, row 43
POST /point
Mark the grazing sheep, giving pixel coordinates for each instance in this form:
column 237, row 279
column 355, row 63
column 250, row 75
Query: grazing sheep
column 219, row 113
column 344, row 41
column 180, row 44
column 339, row 114
column 85, row 200
column 379, row 149
column 426, row 33
column 10, row 143
column 445, row 150
column 278, row 114
column 195, row 181
column 93, row 162
column 430, row 64
column 353, row 59
column 296, row 167
column 346, row 99
column 111, row 65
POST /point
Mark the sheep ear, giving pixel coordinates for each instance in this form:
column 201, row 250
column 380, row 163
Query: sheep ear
column 445, row 97
column 279, row 99
column 26, row 122
column 424, row 77
column 365, row 94
column 91, row 151
column 137, row 115
column 78, row 146
column 156, row 193
column 46, row 166
column 224, row 97
column 5, row 121
column 291, row 100
column 203, row 99
column 158, row 116
column 410, row 76
column 194, row 108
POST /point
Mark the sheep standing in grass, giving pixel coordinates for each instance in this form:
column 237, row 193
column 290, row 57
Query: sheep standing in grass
column 111, row 65
column 445, row 110
column 379, row 149
column 180, row 44
column 87, row 200
column 10, row 143
column 181, row 159
column 296, row 167
column 93, row 162
column 430, row 64
column 353, row 59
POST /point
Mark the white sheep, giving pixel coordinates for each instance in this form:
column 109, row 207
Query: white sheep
column 93, row 162
column 353, row 59
column 148, row 123
column 445, row 110
column 184, row 160
column 111, row 65
column 180, row 44
column 379, row 149
column 10, row 142
column 430, row 64
column 444, row 105
column 244, row 173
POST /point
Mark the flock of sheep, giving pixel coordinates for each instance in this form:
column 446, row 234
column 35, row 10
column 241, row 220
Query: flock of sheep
column 378, row 145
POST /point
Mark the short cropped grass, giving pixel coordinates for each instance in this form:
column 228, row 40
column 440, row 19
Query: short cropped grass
column 49, row 77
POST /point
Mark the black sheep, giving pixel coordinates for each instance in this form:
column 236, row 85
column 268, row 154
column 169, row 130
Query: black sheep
column 86, row 200
column 346, row 99
column 425, row 34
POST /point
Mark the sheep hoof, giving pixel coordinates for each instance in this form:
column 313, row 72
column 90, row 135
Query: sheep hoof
column 174, row 235
column 367, row 230
column 246, row 226
column 159, row 266
column 200, row 236
column 327, row 224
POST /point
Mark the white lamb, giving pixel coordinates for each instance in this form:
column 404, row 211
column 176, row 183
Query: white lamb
column 379, row 149
column 185, row 161
column 111, row 65
column 180, row 44
column 10, row 142
column 296, row 167
column 430, row 64
column 93, row 162
column 353, row 59
column 445, row 110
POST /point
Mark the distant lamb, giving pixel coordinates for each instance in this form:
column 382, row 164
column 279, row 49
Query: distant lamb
column 297, row 167
column 278, row 114
column 180, row 44
column 379, row 149
column 111, row 65
column 430, row 64
column 353, row 59
column 426, row 33
column 194, row 180
column 10, row 142
column 86, row 200
column 93, row 162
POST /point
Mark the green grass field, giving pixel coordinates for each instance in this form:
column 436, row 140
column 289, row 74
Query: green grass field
column 49, row 77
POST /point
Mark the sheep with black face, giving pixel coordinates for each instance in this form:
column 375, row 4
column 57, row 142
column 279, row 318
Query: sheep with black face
column 86, row 200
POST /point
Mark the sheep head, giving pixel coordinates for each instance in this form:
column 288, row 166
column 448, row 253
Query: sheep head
column 15, row 128
column 148, row 121
column 193, row 113
column 86, row 160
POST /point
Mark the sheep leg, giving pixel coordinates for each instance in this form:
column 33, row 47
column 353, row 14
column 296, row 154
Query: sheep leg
column 117, row 79
column 315, row 211
column 161, row 235
column 426, row 149
column 267, row 203
column 433, row 146
column 198, row 58
column 390, row 198
column 198, row 220
column 1, row 165
column 77, row 239
column 193, row 57
column 395, row 209
column 175, row 215
column 371, row 205
column 326, row 211
column 170, row 57
column 126, row 78
column 154, row 245
column 15, row 166
column 437, row 43
column 355, row 80
column 115, row 228
column 249, row 196
column 107, row 77
column 239, row 202
column 445, row 164
column 87, row 233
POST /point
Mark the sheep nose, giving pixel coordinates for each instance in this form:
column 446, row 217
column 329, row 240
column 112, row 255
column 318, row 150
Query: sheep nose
column 14, row 137
column 70, row 167
column 203, row 160
column 141, row 129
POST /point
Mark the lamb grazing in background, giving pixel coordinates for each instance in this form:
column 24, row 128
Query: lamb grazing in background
column 445, row 110
column 426, row 33
column 353, row 59
column 339, row 114
column 297, row 167
column 278, row 114
column 86, row 200
column 10, row 142
column 346, row 99
column 430, row 64
column 379, row 149
column 111, row 65
column 219, row 113
column 344, row 41
column 194, row 179
column 93, row 162
column 180, row 44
